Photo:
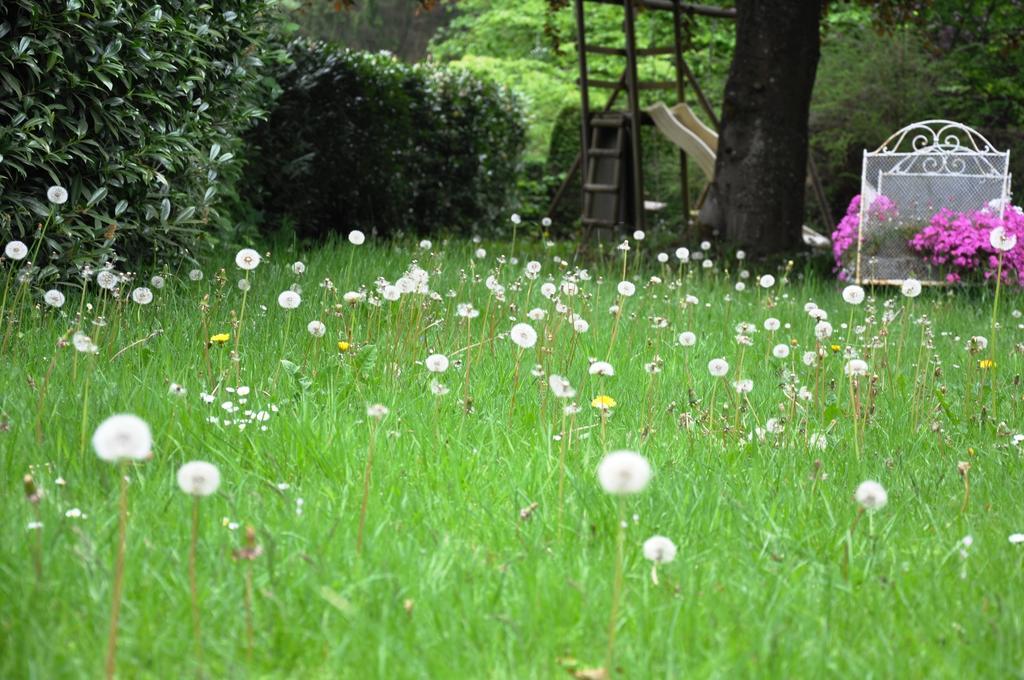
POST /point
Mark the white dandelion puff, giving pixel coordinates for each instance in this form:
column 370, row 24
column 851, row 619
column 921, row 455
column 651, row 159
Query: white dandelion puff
column 523, row 335
column 142, row 295
column 624, row 472
column 871, row 496
column 198, row 478
column 54, row 298
column 436, row 363
column 247, row 259
column 123, row 436
column 16, row 250
column 289, row 299
column 57, row 195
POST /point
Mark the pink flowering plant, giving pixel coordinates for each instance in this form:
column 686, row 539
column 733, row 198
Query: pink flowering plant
column 882, row 209
column 961, row 244
column 957, row 243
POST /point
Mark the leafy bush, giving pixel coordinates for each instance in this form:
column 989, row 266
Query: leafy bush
column 134, row 108
column 964, row 243
column 868, row 86
column 541, row 86
column 563, row 149
column 364, row 140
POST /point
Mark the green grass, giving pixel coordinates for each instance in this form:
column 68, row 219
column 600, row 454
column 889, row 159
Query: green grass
column 452, row 583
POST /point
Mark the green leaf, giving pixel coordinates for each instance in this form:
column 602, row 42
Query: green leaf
column 289, row 367
column 96, row 197
column 185, row 214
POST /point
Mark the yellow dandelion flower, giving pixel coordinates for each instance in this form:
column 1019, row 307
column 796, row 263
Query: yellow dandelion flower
column 986, row 363
column 343, row 346
column 219, row 338
column 603, row 402
column 835, row 348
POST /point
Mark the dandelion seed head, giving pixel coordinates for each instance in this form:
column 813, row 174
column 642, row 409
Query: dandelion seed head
column 523, row 335
column 123, row 437
column 289, row 299
column 560, row 387
column 54, row 298
column 57, row 195
column 247, row 259
column 718, row 368
column 1002, row 240
column 142, row 295
column 198, row 478
column 436, row 363
column 910, row 288
column 659, row 550
column 16, row 250
column 871, row 496
column 377, row 411
column 624, row 472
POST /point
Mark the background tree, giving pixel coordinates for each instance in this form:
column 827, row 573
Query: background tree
column 756, row 200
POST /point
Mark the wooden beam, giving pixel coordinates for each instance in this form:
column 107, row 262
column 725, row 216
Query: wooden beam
column 633, row 91
column 644, row 85
column 677, row 53
column 687, row 7
column 621, row 51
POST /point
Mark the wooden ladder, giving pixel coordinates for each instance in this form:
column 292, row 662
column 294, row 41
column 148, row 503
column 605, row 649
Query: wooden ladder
column 603, row 184
column 611, row 157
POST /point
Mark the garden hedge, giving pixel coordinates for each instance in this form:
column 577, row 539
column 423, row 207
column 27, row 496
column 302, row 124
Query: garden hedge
column 360, row 140
column 136, row 109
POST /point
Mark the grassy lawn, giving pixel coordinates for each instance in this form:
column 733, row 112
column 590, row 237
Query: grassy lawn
column 465, row 569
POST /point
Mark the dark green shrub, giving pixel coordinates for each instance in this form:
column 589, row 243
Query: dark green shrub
column 135, row 108
column 562, row 152
column 364, row 140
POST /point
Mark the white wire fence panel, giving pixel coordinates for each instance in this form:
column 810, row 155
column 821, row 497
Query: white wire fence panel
column 921, row 170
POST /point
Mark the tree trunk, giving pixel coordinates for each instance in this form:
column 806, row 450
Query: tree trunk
column 757, row 198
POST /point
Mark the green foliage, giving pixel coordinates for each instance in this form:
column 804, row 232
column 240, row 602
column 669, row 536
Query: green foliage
column 391, row 146
column 530, row 48
column 399, row 26
column 946, row 63
column 562, row 152
column 541, row 86
column 869, row 85
column 135, row 108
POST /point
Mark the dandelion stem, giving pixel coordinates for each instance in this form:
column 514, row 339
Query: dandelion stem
column 856, row 415
column 469, row 356
column 193, row 585
column 561, row 476
column 42, row 399
column 848, row 543
column 241, row 319
column 992, row 353
column 615, row 326
column 37, row 545
column 367, row 473
column 617, row 586
column 249, row 629
column 515, row 384
column 115, row 609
